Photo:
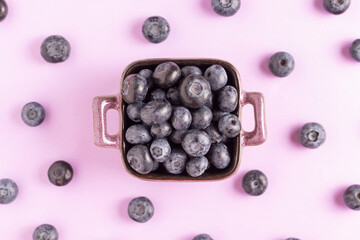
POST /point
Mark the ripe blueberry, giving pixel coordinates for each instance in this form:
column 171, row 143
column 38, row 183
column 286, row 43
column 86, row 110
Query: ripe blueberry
column 138, row 134
column 156, row 29
column 3, row 10
column 139, row 159
column 219, row 155
column 141, row 209
column 188, row 70
column 194, row 91
column 352, row 197
column 45, row 232
column 133, row 111
column 218, row 114
column 177, row 162
column 33, row 114
column 60, row 173
column 312, row 135
column 160, row 150
column 201, row 117
column 226, row 8
column 147, row 74
column 166, row 74
column 55, row 49
column 156, row 112
column 336, row 6
column 355, row 50
column 197, row 166
column 281, row 64
column 228, row 99
column 216, row 76
column 181, row 118
column 214, row 133
column 172, row 96
column 157, row 94
column 202, row 237
column 134, row 88
column 161, row 130
column 229, row 125
column 177, row 136
column 196, row 143
column 254, row 182
column 8, row 191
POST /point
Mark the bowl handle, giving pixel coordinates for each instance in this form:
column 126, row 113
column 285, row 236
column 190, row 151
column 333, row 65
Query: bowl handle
column 258, row 135
column 100, row 107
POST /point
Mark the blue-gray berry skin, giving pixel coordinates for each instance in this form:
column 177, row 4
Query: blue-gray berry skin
column 141, row 209
column 197, row 166
column 133, row 111
column 156, row 165
column 55, row 49
column 254, row 182
column 292, row 239
column 134, row 88
column 218, row 114
column 60, row 173
column 202, row 237
column 157, row 94
column 312, row 135
column 172, row 96
column 177, row 136
column 139, row 159
column 3, row 10
column 45, row 231
column 196, row 143
column 156, row 112
column 219, row 155
column 281, row 64
column 209, row 103
column 216, row 76
column 201, row 118
column 336, row 6
column 33, row 114
column 188, row 70
column 160, row 150
column 147, row 74
column 355, row 50
column 177, row 162
column 226, row 8
column 352, row 197
column 229, row 125
column 8, row 191
column 162, row 130
column 138, row 134
column 228, row 99
column 215, row 135
column 156, row 29
column 166, row 74
column 181, row 118
column 194, row 91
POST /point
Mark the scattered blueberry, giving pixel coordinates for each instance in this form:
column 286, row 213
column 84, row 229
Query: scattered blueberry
column 177, row 136
column 166, row 74
column 355, row 50
column 147, row 74
column 214, row 133
column 219, row 155
column 133, row 111
column 216, row 76
column 33, row 114
column 292, row 239
column 188, row 70
column 181, row 118
column 141, row 209
column 140, row 159
column 157, row 94
column 201, row 117
column 196, row 143
column 156, row 112
column 177, row 162
column 352, row 197
column 3, row 10
column 228, row 99
column 336, row 6
column 55, row 49
column 312, row 135
column 156, row 29
column 281, row 64
column 137, row 134
column 160, row 150
column 255, row 182
column 197, row 166
column 134, row 88
column 217, row 115
column 202, row 237
column 8, row 191
column 172, row 96
column 60, row 173
column 229, row 125
column 226, row 8
column 45, row 232
column 161, row 130
column 194, row 91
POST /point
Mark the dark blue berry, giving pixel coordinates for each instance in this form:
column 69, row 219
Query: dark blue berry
column 209, row 103
column 181, row 118
column 141, row 209
column 201, row 118
column 226, row 8
column 156, row 29
column 312, row 135
column 137, row 134
column 229, row 125
column 219, row 155
column 352, row 197
column 134, row 88
column 177, row 162
column 33, row 114
column 45, row 232
column 194, row 91
column 218, row 114
column 196, row 143
column 147, row 74
column 160, row 150
column 3, row 10
column 177, row 136
column 157, row 94
column 202, row 237
column 166, row 74
column 156, row 112
column 214, row 133
column 133, row 111
column 281, row 64
column 255, row 182
column 228, row 99
column 292, row 239
column 216, row 76
column 139, row 159
column 156, row 165
column 197, row 166
column 355, row 50
column 172, row 96
column 60, row 173
column 8, row 191
column 55, row 49
column 161, row 130
column 336, row 6
column 188, row 70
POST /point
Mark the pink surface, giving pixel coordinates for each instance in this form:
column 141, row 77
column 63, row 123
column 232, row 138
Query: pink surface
column 304, row 197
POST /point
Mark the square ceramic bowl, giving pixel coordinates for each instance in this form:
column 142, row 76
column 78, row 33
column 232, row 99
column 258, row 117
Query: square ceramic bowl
column 103, row 103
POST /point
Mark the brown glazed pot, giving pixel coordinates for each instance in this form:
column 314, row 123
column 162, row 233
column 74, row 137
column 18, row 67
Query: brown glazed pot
column 103, row 103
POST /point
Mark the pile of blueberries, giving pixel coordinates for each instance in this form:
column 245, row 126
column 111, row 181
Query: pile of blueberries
column 198, row 106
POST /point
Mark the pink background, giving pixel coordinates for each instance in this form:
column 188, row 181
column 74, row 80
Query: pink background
column 304, row 197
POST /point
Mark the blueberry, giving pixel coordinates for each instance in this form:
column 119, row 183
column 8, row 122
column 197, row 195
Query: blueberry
column 133, row 111
column 188, row 70
column 178, row 135
column 226, row 8
column 156, row 112
column 352, row 197
column 228, row 99
column 147, row 74
column 33, row 114
column 218, row 114
column 137, row 134
column 157, row 94
column 3, row 10
column 355, row 50
column 172, row 96
column 55, row 49
column 134, row 88
column 216, row 76
column 201, row 118
column 229, row 125
column 196, row 143
column 45, row 232
column 177, row 162
column 209, row 103
column 156, row 29
column 292, row 239
column 194, row 91
column 281, row 64
column 336, row 6
column 140, row 159
column 166, row 74
column 214, row 133
column 181, row 118
column 160, row 150
column 197, row 166
column 202, row 237
column 156, row 165
column 219, row 155
column 161, row 130
column 8, row 191
column 254, row 182
column 312, row 135
column 141, row 209
column 60, row 173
